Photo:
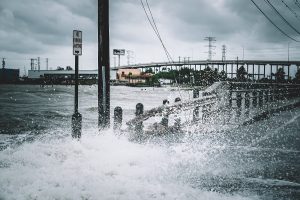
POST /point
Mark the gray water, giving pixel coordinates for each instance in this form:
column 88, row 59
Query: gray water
column 40, row 160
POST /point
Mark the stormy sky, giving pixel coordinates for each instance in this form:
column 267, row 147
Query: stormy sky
column 43, row 28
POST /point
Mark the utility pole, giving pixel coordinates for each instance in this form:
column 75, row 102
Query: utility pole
column 243, row 53
column 288, row 52
column 46, row 63
column 3, row 63
column 223, row 53
column 103, row 65
column 39, row 63
column 211, row 47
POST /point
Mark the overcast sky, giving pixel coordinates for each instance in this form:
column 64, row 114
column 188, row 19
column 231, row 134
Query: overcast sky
column 43, row 28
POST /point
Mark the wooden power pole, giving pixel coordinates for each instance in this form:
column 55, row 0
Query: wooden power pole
column 103, row 65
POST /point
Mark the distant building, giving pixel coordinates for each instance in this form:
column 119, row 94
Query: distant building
column 9, row 75
column 132, row 76
column 62, row 74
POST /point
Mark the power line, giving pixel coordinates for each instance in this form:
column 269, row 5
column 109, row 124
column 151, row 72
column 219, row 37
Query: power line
column 290, row 9
column 297, row 3
column 271, row 5
column 274, row 23
column 154, row 27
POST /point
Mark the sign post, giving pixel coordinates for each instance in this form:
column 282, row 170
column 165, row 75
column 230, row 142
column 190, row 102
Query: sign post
column 76, row 117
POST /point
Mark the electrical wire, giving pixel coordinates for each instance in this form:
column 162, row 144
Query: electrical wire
column 290, row 9
column 290, row 25
column 297, row 3
column 154, row 27
column 274, row 23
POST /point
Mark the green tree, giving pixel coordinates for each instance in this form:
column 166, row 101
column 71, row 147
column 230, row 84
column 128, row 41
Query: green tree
column 279, row 75
column 241, row 73
column 297, row 76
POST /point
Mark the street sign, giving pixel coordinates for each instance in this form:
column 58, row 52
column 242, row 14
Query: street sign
column 77, row 43
column 119, row 52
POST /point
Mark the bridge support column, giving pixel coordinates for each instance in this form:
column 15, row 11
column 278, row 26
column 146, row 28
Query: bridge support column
column 258, row 72
column 253, row 78
column 271, row 72
column 288, row 72
column 247, row 70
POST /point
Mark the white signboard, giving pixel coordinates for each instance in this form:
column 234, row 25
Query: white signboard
column 119, row 52
column 77, row 43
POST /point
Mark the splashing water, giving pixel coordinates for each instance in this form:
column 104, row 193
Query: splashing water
column 42, row 161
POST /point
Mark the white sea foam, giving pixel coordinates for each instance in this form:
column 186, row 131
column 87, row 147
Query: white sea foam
column 97, row 167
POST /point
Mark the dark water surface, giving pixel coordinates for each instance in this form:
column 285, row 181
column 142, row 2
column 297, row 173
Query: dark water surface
column 39, row 159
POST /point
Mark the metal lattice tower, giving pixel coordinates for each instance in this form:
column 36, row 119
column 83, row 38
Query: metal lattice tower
column 211, row 47
column 47, row 62
column 223, row 52
column 129, row 56
column 3, row 63
column 32, row 63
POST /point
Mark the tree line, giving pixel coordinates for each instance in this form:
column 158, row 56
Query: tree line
column 208, row 76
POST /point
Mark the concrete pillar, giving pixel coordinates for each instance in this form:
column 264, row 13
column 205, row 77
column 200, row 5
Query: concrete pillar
column 253, row 73
column 271, row 72
column 258, row 72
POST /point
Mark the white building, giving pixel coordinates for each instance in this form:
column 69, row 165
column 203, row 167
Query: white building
column 37, row 74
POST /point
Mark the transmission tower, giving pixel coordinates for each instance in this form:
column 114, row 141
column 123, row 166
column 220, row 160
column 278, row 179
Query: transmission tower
column 211, row 47
column 47, row 62
column 129, row 56
column 223, row 52
column 3, row 63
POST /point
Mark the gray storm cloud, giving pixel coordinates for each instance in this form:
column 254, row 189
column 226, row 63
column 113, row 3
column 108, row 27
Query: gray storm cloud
column 34, row 26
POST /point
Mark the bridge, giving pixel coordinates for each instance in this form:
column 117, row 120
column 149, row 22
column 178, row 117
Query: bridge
column 256, row 69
